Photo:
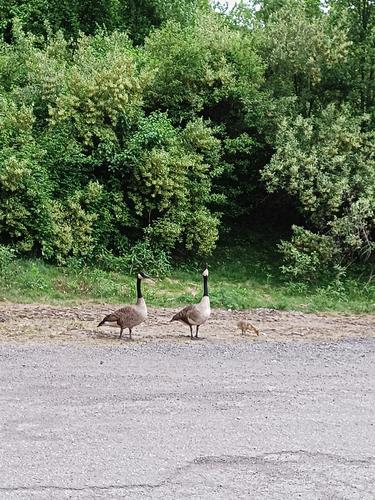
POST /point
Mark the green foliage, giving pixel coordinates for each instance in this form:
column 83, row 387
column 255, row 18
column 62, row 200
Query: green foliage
column 302, row 51
column 211, row 70
column 199, row 66
column 136, row 17
column 100, row 86
column 131, row 132
column 6, row 257
column 241, row 277
column 308, row 254
column 143, row 255
column 357, row 75
column 84, row 171
column 268, row 8
column 327, row 164
column 169, row 173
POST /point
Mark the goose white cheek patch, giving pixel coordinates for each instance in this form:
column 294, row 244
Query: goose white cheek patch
column 205, row 272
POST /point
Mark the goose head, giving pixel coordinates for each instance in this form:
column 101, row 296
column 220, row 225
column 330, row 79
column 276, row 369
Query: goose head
column 143, row 276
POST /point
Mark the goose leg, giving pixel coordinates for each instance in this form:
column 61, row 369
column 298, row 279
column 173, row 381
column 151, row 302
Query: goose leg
column 196, row 333
column 191, row 331
column 130, row 334
column 121, row 333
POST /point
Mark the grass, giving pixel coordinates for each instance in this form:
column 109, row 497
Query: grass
column 240, row 278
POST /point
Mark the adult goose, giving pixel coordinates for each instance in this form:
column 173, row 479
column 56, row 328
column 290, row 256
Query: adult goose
column 196, row 314
column 131, row 315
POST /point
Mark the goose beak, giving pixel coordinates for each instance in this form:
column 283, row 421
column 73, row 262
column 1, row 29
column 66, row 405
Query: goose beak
column 147, row 277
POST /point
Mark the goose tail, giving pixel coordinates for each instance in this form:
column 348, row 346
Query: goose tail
column 180, row 316
column 176, row 317
column 109, row 317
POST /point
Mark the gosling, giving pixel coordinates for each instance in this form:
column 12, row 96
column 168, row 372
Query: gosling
column 246, row 326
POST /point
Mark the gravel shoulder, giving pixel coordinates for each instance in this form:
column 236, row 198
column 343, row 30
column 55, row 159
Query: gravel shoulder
column 78, row 324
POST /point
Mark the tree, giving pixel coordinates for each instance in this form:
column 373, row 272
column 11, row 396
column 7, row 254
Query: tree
column 327, row 164
column 84, row 171
column 359, row 18
column 301, row 51
column 136, row 17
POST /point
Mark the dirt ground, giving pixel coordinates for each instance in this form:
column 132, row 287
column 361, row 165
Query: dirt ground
column 78, row 324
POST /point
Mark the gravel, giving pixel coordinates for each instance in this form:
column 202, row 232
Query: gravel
column 198, row 420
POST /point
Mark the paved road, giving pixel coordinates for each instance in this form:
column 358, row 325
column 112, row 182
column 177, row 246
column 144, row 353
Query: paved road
column 248, row 420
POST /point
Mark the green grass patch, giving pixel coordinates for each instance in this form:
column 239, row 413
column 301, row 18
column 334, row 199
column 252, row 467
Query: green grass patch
column 240, row 278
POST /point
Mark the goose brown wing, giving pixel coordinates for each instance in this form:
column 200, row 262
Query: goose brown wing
column 125, row 313
column 188, row 314
column 128, row 315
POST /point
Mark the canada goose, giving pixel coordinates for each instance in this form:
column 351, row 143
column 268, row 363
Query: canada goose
column 196, row 314
column 131, row 315
column 244, row 326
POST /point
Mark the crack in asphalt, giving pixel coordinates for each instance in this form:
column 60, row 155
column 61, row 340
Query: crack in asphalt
column 266, row 458
column 83, row 488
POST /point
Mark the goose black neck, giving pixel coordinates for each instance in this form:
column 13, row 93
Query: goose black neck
column 205, row 285
column 139, row 291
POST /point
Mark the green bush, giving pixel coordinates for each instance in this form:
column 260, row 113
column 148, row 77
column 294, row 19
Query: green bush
column 326, row 163
column 308, row 255
column 6, row 257
column 146, row 129
column 84, row 171
column 141, row 256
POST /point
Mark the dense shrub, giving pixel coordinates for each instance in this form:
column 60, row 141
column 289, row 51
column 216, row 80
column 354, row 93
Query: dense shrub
column 84, row 171
column 149, row 128
column 6, row 257
column 327, row 164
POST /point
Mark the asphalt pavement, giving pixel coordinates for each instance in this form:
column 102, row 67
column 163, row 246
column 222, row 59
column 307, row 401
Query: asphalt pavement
column 244, row 420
